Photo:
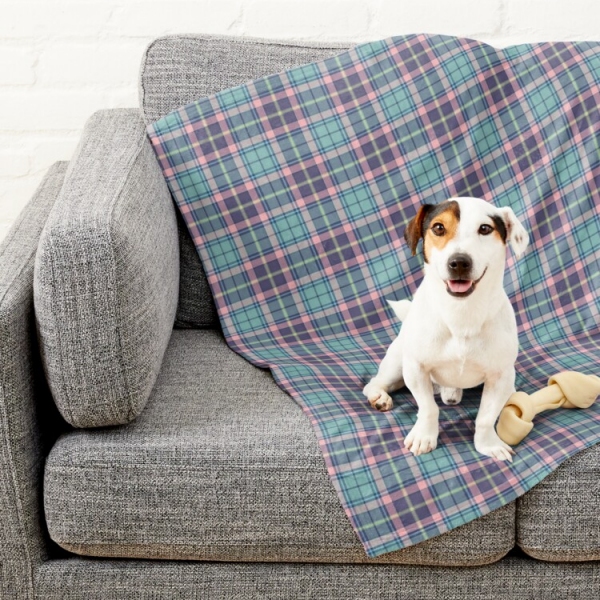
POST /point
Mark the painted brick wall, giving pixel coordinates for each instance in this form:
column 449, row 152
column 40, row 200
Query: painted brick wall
column 60, row 60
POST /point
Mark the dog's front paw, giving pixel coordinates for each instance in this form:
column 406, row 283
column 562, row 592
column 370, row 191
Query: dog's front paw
column 381, row 401
column 378, row 398
column 489, row 444
column 422, row 438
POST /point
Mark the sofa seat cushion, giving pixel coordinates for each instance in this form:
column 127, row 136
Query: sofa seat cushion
column 221, row 465
column 559, row 519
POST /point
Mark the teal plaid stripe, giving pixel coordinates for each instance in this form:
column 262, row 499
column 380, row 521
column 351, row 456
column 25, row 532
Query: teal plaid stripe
column 296, row 188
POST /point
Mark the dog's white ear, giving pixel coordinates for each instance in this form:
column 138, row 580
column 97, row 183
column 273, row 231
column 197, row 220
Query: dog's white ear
column 516, row 235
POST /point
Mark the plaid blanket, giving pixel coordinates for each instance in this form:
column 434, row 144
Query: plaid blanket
column 296, row 188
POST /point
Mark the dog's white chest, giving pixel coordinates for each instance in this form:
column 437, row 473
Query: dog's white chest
column 458, row 363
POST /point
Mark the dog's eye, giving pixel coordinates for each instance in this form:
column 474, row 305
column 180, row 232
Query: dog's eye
column 485, row 229
column 438, row 229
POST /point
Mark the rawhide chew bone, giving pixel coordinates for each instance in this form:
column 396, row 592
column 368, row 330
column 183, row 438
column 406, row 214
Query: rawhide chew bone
column 568, row 389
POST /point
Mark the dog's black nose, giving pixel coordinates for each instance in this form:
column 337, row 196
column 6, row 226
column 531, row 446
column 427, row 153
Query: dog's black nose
column 460, row 266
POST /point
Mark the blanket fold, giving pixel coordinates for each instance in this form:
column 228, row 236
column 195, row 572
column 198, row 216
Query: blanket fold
column 296, row 188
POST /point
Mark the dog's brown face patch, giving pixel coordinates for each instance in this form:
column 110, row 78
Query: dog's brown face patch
column 440, row 226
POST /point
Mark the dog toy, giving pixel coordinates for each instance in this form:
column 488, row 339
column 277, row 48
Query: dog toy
column 568, row 389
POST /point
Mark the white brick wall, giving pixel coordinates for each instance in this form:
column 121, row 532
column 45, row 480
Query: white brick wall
column 60, row 60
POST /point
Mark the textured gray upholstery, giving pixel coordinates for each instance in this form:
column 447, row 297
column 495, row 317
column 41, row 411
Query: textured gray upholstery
column 177, row 70
column 559, row 519
column 107, row 274
column 509, row 579
column 24, row 400
column 196, row 307
column 221, row 465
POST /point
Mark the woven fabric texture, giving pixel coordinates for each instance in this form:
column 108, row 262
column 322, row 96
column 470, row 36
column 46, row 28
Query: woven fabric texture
column 179, row 69
column 196, row 307
column 295, row 188
column 24, row 399
column 107, row 274
column 559, row 519
column 509, row 579
column 221, row 465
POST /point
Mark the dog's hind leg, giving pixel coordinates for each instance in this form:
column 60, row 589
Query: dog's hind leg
column 388, row 379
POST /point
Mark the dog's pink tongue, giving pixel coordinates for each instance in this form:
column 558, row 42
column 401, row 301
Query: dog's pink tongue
column 459, row 286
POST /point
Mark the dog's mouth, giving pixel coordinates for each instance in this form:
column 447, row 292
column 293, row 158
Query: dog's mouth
column 461, row 288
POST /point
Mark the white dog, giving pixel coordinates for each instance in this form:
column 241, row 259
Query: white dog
column 460, row 330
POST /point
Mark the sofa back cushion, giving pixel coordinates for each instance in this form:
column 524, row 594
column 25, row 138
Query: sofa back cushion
column 177, row 70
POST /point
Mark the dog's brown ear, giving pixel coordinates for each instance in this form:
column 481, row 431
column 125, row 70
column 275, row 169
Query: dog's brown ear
column 414, row 230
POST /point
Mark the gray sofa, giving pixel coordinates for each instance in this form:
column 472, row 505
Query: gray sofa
column 204, row 478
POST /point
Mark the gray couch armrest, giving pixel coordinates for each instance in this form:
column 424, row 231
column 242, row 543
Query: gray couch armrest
column 23, row 417
column 106, row 278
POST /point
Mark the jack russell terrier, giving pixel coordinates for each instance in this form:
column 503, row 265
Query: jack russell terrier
column 459, row 330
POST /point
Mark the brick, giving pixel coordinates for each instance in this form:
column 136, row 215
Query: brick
column 17, row 66
column 468, row 18
column 15, row 194
column 45, row 18
column 46, row 151
column 125, row 97
column 4, row 228
column 152, row 18
column 335, row 20
column 107, row 63
column 44, row 110
column 551, row 20
column 13, row 164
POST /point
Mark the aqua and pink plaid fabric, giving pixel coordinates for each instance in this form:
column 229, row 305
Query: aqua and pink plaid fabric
column 296, row 188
